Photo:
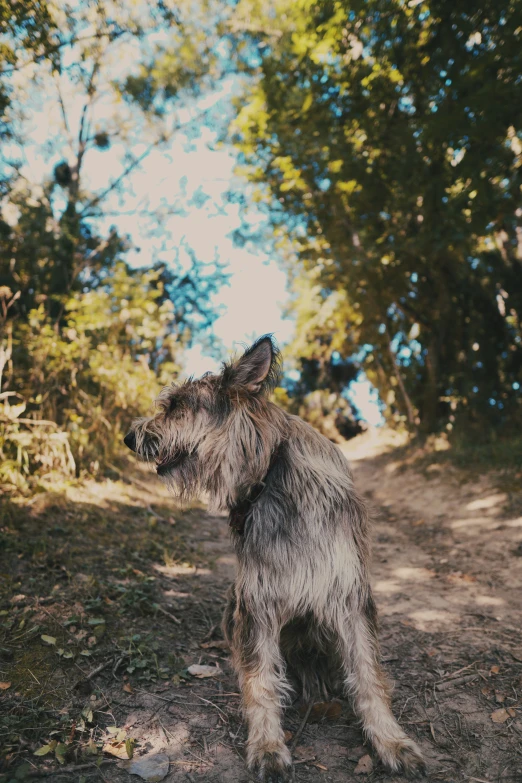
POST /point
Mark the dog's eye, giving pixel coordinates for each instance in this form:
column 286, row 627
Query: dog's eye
column 177, row 407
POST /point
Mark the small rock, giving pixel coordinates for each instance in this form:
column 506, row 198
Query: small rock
column 200, row 671
column 364, row 767
column 152, row 767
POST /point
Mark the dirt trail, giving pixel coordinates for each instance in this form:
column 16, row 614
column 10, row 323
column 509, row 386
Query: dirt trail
column 447, row 575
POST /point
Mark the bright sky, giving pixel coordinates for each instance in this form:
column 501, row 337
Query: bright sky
column 252, row 300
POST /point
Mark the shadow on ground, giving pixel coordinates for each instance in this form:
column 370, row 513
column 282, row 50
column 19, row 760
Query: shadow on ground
column 110, row 592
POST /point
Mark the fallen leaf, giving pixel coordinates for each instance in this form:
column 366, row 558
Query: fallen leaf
column 324, row 710
column 320, row 766
column 200, row 671
column 91, row 749
column 501, row 716
column 495, row 669
column 4, row 686
column 43, row 751
column 60, row 752
column 364, row 767
column 117, row 749
column 48, row 639
column 288, row 735
column 128, row 688
column 152, row 767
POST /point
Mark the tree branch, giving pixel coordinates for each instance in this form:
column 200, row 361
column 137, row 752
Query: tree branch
column 70, row 42
column 136, row 162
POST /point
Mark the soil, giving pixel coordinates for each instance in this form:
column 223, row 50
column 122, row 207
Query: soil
column 110, row 593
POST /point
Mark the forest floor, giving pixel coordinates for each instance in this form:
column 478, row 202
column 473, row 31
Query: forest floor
column 109, row 593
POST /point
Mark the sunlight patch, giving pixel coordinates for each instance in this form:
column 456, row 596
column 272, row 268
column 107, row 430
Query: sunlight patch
column 488, row 502
column 413, row 574
column 458, row 524
column 387, row 586
column 489, row 600
column 182, row 569
column 432, row 619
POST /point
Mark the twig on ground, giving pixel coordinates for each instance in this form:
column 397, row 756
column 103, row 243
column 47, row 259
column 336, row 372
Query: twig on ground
column 117, row 665
column 99, row 669
column 452, row 675
column 202, row 761
column 37, row 773
column 158, row 696
column 213, row 705
column 449, row 684
column 209, row 634
column 301, row 728
column 168, row 614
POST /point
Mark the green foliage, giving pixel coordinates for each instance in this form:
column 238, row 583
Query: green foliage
column 91, row 376
column 85, row 340
column 28, row 27
column 389, row 138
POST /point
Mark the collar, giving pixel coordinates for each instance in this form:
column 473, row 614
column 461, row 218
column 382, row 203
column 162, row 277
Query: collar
column 239, row 512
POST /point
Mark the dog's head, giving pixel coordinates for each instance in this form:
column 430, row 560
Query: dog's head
column 215, row 431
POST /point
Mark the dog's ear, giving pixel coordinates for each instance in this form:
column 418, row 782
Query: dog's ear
column 257, row 370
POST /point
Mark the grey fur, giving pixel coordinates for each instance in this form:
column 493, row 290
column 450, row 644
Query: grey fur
column 301, row 606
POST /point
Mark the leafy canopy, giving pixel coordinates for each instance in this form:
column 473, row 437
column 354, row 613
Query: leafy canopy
column 386, row 138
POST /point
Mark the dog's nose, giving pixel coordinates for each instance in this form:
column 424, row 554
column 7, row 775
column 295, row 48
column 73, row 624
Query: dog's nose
column 130, row 440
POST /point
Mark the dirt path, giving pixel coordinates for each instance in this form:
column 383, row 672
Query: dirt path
column 120, row 578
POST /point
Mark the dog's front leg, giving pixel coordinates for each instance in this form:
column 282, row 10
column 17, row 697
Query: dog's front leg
column 260, row 668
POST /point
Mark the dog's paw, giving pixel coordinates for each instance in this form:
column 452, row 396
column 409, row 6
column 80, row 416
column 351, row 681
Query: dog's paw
column 272, row 767
column 403, row 756
column 407, row 759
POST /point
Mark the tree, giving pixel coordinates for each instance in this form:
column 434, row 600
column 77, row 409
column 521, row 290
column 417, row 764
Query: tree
column 87, row 341
column 93, row 107
column 388, row 134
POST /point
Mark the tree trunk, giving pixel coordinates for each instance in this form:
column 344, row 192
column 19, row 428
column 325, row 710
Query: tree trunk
column 410, row 413
column 431, row 392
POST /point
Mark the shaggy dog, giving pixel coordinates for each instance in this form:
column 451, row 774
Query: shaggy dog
column 301, row 607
